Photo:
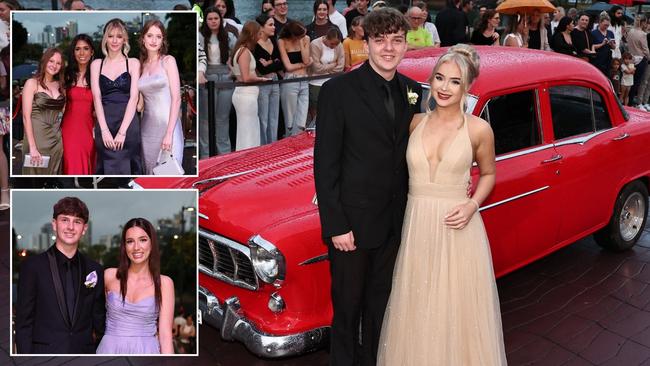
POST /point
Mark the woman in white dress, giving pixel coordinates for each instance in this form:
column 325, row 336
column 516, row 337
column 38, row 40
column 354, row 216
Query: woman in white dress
column 245, row 97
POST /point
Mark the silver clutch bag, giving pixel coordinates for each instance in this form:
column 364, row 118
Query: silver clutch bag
column 167, row 165
column 27, row 162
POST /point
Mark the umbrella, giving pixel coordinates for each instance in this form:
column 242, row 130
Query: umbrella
column 525, row 7
column 596, row 8
column 24, row 71
column 629, row 2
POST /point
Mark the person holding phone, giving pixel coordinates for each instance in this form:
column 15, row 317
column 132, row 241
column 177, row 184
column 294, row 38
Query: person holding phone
column 603, row 44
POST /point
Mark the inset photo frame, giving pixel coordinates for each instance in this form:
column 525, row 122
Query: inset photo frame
column 104, row 93
column 104, row 272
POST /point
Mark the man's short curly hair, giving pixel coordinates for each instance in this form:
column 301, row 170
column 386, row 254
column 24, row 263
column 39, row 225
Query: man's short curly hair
column 384, row 21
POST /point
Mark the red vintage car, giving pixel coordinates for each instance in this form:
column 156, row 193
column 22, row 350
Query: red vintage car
column 571, row 161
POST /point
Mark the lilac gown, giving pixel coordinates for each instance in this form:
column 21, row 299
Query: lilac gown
column 130, row 327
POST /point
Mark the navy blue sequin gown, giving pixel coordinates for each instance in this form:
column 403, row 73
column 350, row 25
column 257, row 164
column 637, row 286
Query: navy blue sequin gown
column 115, row 97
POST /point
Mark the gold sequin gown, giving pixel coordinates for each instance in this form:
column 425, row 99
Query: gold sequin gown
column 444, row 307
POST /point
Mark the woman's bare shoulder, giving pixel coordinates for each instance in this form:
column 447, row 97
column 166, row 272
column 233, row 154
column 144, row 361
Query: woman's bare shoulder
column 479, row 129
column 416, row 120
column 166, row 282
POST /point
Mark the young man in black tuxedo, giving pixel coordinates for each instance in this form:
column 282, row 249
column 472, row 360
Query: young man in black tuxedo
column 60, row 308
column 362, row 182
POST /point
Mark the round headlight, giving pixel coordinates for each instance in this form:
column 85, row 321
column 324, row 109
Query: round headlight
column 267, row 260
column 265, row 263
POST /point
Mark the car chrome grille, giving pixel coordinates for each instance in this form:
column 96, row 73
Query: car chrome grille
column 226, row 260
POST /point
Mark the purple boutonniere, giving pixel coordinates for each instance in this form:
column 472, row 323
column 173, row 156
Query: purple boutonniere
column 91, row 279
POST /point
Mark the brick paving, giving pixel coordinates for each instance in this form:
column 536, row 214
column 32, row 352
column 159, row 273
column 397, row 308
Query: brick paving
column 579, row 306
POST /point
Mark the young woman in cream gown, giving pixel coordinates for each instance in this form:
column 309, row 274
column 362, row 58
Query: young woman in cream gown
column 444, row 306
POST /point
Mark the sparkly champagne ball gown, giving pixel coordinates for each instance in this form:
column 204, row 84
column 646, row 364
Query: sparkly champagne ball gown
column 444, row 306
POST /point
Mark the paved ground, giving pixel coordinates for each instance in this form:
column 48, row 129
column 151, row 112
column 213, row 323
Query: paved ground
column 578, row 306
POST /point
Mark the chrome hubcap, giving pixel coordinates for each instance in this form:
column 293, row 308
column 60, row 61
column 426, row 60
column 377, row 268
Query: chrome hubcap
column 631, row 216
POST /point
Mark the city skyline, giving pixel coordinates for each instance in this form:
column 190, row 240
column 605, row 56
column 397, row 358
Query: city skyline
column 32, row 211
column 35, row 22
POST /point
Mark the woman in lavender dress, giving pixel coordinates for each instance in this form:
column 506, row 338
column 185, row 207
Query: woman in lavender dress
column 139, row 300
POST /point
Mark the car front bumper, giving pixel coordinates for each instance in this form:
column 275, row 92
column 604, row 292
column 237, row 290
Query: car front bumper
column 234, row 326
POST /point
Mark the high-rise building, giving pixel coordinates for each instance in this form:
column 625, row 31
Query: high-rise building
column 48, row 36
column 73, row 28
column 60, row 34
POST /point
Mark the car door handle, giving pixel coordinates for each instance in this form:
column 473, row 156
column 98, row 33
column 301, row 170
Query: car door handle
column 621, row 136
column 554, row 158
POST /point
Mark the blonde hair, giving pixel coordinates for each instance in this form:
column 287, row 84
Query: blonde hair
column 112, row 24
column 467, row 60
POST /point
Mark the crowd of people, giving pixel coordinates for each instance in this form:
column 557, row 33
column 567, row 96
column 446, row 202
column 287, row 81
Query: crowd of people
column 285, row 49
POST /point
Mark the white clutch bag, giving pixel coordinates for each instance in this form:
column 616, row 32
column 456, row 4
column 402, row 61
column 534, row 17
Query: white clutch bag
column 167, row 165
column 27, row 162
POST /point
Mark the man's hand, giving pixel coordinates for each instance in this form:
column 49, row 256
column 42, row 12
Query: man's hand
column 344, row 242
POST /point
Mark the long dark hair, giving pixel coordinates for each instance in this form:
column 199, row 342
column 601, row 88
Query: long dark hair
column 154, row 257
column 614, row 20
column 563, row 24
column 144, row 55
column 72, row 70
column 485, row 18
column 222, row 35
column 318, row 3
column 40, row 75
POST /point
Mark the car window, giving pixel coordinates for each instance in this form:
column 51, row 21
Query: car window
column 577, row 110
column 513, row 118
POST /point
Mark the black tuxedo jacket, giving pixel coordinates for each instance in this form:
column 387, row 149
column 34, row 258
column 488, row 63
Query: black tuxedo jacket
column 42, row 321
column 360, row 158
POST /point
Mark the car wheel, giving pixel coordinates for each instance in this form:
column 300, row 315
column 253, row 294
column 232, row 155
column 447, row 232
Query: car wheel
column 628, row 219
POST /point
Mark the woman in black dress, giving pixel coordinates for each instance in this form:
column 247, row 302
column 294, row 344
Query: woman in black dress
column 485, row 34
column 561, row 41
column 114, row 84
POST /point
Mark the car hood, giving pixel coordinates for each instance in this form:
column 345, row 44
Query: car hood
column 240, row 193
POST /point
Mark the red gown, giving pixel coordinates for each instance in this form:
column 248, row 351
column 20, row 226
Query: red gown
column 77, row 133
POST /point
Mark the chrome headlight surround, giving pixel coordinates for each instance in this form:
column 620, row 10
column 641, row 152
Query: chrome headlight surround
column 268, row 261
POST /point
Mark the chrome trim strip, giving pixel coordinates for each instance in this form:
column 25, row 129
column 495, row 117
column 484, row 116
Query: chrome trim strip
column 316, row 259
column 513, row 198
column 524, row 152
column 260, row 241
column 203, row 216
column 225, row 278
column 233, row 324
column 582, row 140
column 223, row 177
column 232, row 246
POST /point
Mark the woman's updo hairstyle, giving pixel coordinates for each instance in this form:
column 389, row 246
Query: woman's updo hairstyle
column 468, row 61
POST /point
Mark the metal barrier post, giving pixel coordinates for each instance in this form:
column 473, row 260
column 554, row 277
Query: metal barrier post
column 212, row 125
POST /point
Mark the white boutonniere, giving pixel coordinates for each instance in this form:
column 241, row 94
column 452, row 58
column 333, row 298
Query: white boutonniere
column 412, row 96
column 91, row 279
